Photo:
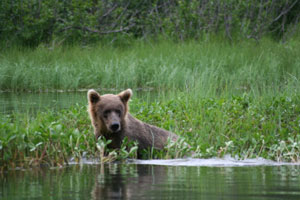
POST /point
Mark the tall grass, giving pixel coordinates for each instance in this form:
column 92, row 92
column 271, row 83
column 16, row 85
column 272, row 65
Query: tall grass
column 209, row 68
column 240, row 98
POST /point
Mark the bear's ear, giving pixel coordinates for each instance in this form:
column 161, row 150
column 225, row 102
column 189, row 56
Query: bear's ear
column 125, row 95
column 93, row 96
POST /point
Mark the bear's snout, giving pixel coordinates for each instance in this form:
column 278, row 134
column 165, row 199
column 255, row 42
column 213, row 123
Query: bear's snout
column 115, row 127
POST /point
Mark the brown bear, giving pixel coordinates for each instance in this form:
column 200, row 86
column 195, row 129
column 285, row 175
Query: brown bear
column 110, row 118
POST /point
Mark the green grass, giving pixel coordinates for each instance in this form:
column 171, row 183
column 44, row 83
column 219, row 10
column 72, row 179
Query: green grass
column 241, row 126
column 240, row 99
column 210, row 68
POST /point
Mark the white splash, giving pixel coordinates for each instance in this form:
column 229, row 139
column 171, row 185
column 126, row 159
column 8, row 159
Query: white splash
column 227, row 161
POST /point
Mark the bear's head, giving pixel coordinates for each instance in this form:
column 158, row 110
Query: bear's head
column 108, row 112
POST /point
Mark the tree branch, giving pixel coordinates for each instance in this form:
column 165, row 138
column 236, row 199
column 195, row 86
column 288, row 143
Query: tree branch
column 98, row 31
column 284, row 12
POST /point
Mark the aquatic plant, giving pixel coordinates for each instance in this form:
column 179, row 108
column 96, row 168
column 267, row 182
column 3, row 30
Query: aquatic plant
column 242, row 126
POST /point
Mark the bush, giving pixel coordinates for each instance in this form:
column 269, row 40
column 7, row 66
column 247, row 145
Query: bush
column 32, row 22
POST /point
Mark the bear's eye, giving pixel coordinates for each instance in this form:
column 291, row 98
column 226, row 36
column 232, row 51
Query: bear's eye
column 118, row 112
column 105, row 114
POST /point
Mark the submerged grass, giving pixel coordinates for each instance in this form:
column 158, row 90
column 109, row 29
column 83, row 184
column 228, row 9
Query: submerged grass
column 242, row 126
column 210, row 68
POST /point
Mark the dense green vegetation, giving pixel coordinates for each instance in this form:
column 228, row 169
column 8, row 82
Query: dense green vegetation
column 228, row 72
column 237, row 98
column 33, row 22
column 209, row 68
column 241, row 126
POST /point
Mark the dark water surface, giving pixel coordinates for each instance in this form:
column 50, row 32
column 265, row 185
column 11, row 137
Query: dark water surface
column 33, row 102
column 131, row 181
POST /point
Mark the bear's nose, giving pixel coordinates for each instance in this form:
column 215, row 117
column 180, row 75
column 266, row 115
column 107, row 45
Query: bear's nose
column 115, row 126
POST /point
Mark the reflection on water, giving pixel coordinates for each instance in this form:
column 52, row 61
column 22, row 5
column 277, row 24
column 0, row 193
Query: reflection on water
column 120, row 181
column 32, row 102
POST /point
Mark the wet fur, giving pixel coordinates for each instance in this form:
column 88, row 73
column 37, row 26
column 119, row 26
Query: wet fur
column 145, row 134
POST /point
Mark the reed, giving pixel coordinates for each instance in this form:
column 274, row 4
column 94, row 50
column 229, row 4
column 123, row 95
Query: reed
column 209, row 68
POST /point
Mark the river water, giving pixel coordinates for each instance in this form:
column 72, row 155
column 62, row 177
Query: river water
column 226, row 178
column 33, row 102
column 140, row 181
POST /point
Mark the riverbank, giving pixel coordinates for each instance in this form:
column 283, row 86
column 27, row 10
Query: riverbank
column 239, row 98
column 241, row 126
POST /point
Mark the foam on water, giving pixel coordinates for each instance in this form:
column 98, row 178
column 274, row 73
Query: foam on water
column 214, row 162
column 227, row 161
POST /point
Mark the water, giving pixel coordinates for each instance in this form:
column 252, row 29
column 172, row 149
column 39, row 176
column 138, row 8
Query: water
column 139, row 181
column 227, row 178
column 227, row 161
column 32, row 102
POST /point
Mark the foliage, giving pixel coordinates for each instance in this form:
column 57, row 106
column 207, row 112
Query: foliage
column 241, row 126
column 128, row 149
column 48, row 138
column 32, row 22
